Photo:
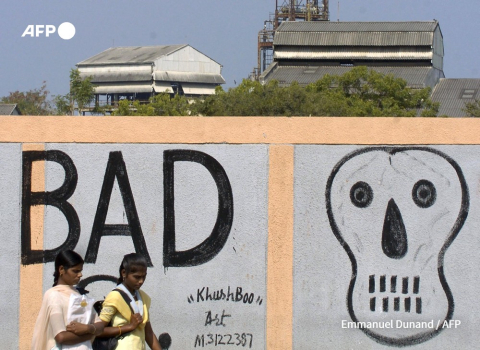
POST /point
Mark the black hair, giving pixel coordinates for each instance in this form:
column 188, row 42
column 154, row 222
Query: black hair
column 130, row 263
column 67, row 259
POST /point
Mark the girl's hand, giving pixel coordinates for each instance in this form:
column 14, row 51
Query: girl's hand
column 135, row 320
column 78, row 328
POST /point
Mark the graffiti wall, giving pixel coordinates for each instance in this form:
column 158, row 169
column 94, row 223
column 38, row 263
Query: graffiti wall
column 384, row 241
column 260, row 233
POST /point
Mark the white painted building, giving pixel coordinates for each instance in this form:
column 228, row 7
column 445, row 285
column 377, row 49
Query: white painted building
column 139, row 72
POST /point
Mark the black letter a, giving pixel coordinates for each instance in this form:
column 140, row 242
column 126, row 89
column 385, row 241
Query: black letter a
column 116, row 169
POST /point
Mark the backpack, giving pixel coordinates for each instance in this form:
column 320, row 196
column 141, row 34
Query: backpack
column 111, row 342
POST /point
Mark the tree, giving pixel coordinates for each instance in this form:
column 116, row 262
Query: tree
column 366, row 92
column 82, row 93
column 62, row 105
column 359, row 92
column 32, row 102
column 472, row 108
column 161, row 104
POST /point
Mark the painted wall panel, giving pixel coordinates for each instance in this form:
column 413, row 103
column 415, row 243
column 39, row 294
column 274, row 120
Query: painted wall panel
column 344, row 269
column 10, row 172
column 304, row 222
column 182, row 296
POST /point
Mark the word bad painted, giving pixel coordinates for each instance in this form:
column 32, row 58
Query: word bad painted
column 66, row 30
column 116, row 170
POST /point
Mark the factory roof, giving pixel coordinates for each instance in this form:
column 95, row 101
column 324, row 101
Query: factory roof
column 131, row 55
column 453, row 94
column 416, row 77
column 323, row 33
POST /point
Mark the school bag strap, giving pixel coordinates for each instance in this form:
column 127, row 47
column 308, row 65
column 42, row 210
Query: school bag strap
column 98, row 304
column 126, row 298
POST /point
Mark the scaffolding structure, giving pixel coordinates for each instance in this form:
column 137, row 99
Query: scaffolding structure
column 288, row 10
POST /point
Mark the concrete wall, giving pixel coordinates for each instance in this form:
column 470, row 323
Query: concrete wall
column 262, row 233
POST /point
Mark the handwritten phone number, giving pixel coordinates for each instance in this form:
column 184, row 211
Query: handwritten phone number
column 237, row 339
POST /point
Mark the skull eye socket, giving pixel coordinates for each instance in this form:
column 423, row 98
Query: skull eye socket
column 361, row 194
column 424, row 194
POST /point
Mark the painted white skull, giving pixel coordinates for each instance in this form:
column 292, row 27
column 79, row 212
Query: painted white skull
column 396, row 210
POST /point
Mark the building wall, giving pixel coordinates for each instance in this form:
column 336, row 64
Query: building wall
column 188, row 60
column 438, row 49
column 263, row 233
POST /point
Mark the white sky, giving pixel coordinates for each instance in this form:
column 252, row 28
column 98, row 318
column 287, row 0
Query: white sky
column 225, row 30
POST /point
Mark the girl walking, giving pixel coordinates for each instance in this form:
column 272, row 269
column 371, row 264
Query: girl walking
column 58, row 324
column 129, row 322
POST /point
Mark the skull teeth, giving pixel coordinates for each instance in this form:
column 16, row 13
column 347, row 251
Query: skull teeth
column 382, row 287
column 398, row 305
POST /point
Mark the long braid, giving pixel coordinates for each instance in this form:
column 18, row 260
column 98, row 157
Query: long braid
column 56, row 275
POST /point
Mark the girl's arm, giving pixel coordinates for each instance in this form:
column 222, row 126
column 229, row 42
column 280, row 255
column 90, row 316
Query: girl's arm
column 151, row 338
column 69, row 338
column 108, row 332
column 64, row 336
column 82, row 328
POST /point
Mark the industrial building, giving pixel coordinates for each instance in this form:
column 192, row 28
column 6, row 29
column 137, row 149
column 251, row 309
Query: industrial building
column 286, row 10
column 299, row 43
column 140, row 72
column 454, row 94
column 305, row 51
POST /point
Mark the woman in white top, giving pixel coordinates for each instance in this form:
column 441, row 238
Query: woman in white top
column 53, row 327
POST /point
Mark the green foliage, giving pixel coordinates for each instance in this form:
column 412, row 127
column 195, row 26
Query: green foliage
column 82, row 93
column 36, row 101
column 62, row 105
column 161, row 104
column 472, row 108
column 364, row 92
column 359, row 92
column 32, row 102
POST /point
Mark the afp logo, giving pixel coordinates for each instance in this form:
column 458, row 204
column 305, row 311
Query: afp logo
column 66, row 30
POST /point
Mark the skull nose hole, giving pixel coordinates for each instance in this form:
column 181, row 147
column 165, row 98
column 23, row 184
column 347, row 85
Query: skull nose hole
column 394, row 235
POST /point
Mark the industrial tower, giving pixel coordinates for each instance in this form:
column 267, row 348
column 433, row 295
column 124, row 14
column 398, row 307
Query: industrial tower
column 289, row 10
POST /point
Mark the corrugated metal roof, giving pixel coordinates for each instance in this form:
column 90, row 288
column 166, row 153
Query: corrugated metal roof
column 9, row 109
column 198, row 89
column 130, row 55
column 354, row 38
column 125, row 77
column 416, row 77
column 321, row 33
column 353, row 53
column 189, row 77
column 161, row 86
column 108, row 74
column 123, row 88
column 453, row 94
column 325, row 26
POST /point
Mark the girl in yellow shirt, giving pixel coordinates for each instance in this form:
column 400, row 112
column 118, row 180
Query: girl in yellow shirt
column 132, row 321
